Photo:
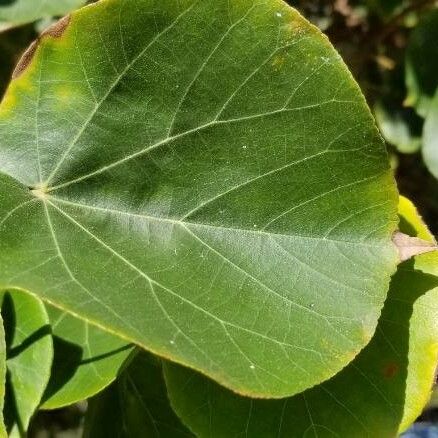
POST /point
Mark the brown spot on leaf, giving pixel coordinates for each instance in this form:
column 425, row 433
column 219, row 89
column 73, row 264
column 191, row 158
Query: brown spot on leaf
column 390, row 370
column 54, row 31
column 57, row 29
column 25, row 60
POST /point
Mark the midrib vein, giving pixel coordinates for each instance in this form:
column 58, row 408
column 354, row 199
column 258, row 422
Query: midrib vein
column 129, row 157
column 184, row 222
column 187, row 133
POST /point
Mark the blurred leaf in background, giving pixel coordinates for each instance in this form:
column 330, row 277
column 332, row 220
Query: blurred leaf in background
column 19, row 12
column 422, row 64
column 397, row 127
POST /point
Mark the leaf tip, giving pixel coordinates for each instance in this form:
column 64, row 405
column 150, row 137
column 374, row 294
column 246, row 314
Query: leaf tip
column 408, row 246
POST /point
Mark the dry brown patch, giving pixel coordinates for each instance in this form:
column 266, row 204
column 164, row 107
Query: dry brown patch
column 54, row 31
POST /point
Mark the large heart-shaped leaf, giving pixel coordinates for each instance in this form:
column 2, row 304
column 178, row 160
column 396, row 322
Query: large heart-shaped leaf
column 378, row 395
column 29, row 357
column 15, row 12
column 87, row 359
column 190, row 176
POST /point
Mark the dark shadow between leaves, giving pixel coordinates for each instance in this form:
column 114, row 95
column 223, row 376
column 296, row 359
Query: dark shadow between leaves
column 9, row 319
column 105, row 406
column 9, row 316
column 105, row 355
column 68, row 357
column 135, row 405
column 7, row 2
column 29, row 341
column 10, row 410
column 406, row 227
column 13, row 42
column 66, row 360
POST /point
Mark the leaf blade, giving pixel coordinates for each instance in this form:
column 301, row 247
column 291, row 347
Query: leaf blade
column 30, row 354
column 421, row 81
column 24, row 11
column 86, row 360
column 209, row 195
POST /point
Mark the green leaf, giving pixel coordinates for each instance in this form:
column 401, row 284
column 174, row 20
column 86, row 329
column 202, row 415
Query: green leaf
column 430, row 137
column 378, row 395
column 422, row 63
column 135, row 406
column 3, row 433
column 196, row 173
column 87, row 359
column 17, row 12
column 29, row 356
